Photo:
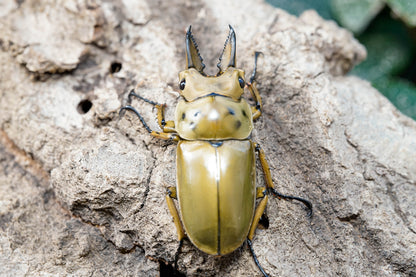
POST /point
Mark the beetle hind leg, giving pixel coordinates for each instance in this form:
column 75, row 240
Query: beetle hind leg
column 250, row 246
column 261, row 193
column 170, row 195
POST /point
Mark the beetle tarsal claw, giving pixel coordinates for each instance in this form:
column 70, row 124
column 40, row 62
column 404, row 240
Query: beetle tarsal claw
column 193, row 58
column 228, row 56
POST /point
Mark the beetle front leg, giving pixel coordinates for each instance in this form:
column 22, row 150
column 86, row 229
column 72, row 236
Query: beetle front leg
column 166, row 126
column 269, row 181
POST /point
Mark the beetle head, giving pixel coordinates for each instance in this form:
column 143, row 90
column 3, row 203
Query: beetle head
column 194, row 83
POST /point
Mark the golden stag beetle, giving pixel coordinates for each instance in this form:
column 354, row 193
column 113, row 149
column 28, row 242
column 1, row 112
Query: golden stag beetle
column 215, row 159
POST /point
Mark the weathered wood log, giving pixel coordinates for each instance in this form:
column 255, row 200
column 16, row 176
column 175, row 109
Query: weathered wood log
column 82, row 190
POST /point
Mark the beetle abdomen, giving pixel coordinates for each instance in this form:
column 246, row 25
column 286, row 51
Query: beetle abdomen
column 216, row 191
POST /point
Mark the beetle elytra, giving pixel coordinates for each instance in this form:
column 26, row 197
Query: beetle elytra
column 216, row 159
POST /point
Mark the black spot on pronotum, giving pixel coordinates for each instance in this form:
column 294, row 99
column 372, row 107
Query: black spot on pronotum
column 115, row 67
column 183, row 116
column 231, row 111
column 238, row 124
column 196, row 113
column 244, row 113
column 84, row 106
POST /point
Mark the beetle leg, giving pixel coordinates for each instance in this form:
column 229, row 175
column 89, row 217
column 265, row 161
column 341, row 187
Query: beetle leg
column 261, row 193
column 161, row 135
column 269, row 181
column 250, row 245
column 259, row 211
column 170, row 195
column 166, row 126
column 255, row 112
column 251, row 85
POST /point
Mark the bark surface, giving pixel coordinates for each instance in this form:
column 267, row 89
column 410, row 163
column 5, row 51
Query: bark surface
column 82, row 190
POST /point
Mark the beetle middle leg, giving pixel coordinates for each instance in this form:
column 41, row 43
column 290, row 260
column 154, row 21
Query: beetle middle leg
column 263, row 192
column 270, row 185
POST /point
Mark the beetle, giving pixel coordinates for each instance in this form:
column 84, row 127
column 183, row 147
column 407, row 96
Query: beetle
column 216, row 158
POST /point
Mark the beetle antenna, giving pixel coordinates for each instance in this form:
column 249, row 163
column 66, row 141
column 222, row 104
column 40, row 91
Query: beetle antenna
column 130, row 108
column 132, row 93
column 307, row 203
column 250, row 245
column 253, row 75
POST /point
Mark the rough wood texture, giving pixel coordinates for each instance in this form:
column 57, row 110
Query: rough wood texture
column 82, row 191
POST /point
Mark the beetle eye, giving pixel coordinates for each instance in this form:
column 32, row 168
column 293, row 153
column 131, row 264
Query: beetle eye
column 182, row 84
column 241, row 81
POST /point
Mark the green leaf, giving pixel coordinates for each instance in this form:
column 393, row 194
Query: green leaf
column 400, row 92
column 355, row 15
column 389, row 49
column 386, row 56
column 405, row 9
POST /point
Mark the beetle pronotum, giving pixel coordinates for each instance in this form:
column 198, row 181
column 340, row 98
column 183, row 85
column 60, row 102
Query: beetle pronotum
column 215, row 155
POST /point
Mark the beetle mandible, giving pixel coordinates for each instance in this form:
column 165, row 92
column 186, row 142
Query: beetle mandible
column 215, row 159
